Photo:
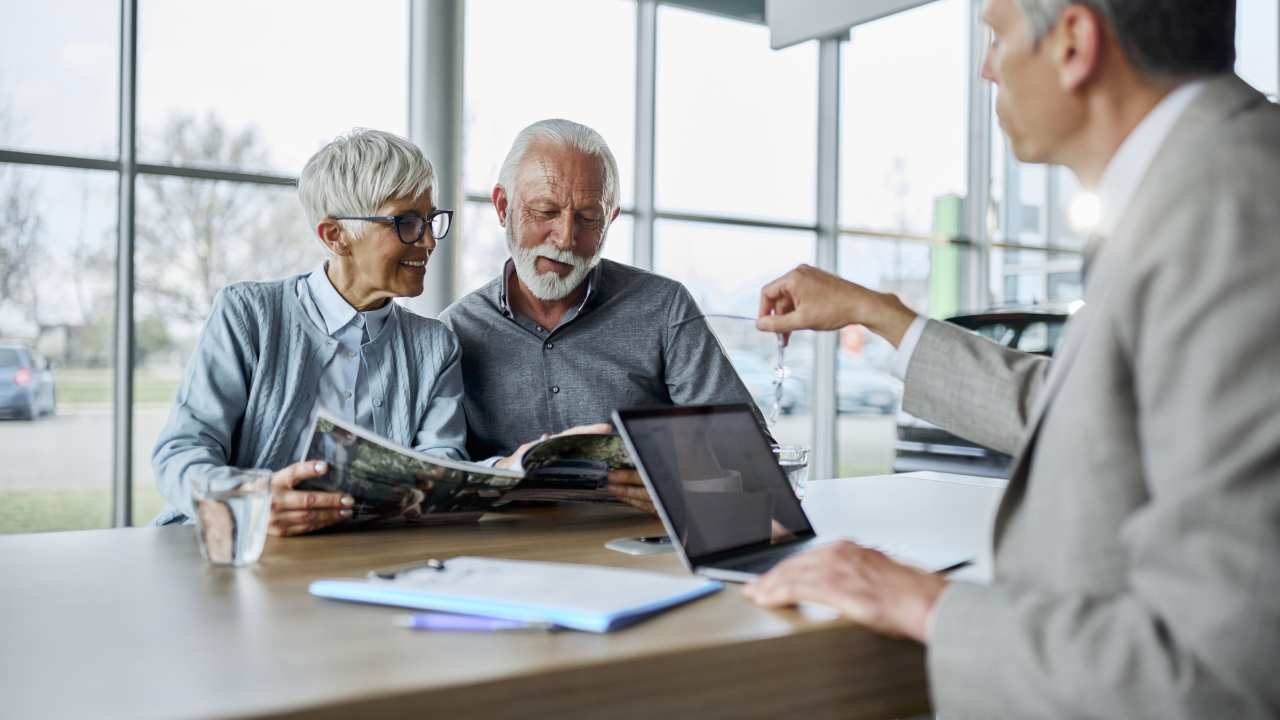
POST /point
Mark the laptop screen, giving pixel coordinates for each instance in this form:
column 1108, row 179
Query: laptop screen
column 717, row 481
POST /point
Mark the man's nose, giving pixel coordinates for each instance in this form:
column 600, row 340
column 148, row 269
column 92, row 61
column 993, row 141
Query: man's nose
column 563, row 235
column 988, row 71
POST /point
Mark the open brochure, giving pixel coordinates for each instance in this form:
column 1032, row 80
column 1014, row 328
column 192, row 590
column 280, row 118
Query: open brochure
column 391, row 481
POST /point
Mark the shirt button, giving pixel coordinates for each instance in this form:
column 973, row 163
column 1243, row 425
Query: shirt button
column 377, row 403
column 555, row 388
column 346, row 396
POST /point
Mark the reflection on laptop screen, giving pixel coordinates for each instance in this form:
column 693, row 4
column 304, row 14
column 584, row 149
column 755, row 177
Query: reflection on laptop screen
column 716, row 478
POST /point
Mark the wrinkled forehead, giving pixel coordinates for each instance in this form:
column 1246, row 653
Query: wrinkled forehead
column 560, row 172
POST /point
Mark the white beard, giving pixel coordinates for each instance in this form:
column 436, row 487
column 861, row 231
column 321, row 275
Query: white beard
column 549, row 285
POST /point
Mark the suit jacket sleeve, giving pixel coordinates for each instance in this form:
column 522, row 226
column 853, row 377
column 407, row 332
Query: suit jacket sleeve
column 973, row 387
column 1196, row 633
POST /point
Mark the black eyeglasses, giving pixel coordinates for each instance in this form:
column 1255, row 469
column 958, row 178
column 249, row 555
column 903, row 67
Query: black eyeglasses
column 411, row 226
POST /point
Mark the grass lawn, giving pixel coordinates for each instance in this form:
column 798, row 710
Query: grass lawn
column 35, row 510
column 83, row 387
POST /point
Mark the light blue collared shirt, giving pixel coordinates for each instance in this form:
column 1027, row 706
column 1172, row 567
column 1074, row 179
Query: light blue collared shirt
column 344, row 383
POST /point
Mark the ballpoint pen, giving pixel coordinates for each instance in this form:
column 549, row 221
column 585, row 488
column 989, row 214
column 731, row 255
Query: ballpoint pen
column 395, row 571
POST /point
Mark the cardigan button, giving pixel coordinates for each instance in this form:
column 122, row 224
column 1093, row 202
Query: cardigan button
column 377, row 403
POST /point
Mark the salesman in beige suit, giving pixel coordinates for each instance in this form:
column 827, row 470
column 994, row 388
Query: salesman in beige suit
column 1137, row 556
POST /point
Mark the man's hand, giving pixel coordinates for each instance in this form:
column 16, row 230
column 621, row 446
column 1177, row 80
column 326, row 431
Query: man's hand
column 809, row 299
column 862, row 584
column 627, row 486
column 295, row 512
column 513, row 460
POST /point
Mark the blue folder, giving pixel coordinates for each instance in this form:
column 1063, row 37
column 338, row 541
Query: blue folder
column 582, row 597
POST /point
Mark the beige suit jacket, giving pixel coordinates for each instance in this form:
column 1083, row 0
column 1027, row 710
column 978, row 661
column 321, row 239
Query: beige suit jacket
column 1138, row 542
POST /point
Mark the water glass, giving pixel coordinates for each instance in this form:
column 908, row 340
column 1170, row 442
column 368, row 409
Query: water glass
column 233, row 509
column 794, row 461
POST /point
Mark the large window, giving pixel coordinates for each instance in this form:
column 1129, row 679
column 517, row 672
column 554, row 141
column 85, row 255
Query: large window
column 58, row 84
column 736, row 138
column 271, row 81
column 57, row 291
column 902, row 178
column 737, row 126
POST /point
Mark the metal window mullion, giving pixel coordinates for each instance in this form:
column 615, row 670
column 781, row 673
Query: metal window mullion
column 976, row 283
column 122, row 445
column 826, row 256
column 646, row 99
column 437, row 37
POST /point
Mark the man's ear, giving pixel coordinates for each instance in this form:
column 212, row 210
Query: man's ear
column 334, row 237
column 614, row 216
column 500, row 203
column 1077, row 46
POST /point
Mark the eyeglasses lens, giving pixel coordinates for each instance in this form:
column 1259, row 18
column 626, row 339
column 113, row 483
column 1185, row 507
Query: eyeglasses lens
column 440, row 226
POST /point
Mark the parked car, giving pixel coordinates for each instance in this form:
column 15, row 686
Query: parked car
column 26, row 383
column 924, row 446
column 758, row 375
column 862, row 388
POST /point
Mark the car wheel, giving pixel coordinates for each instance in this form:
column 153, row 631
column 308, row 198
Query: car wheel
column 29, row 412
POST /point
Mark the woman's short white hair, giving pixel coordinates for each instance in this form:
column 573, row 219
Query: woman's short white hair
column 566, row 133
column 360, row 172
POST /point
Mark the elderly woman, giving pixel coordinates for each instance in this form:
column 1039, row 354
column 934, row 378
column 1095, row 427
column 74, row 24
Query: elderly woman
column 273, row 353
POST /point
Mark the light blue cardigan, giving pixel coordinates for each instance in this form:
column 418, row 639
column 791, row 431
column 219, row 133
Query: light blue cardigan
column 250, row 387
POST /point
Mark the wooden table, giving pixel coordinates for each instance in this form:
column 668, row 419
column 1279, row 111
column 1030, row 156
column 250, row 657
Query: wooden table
column 132, row 623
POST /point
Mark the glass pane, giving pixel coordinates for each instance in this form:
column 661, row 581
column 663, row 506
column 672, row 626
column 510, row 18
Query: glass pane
column 1257, row 37
column 57, row 296
column 277, row 79
column 1034, row 277
column 526, row 62
column 736, row 121
column 867, row 394
column 58, row 66
column 724, row 268
column 193, row 238
column 483, row 246
column 902, row 152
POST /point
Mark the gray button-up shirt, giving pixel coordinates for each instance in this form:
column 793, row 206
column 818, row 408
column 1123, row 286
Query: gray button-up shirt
column 628, row 344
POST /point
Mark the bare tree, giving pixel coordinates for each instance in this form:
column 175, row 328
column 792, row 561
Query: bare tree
column 196, row 236
column 21, row 235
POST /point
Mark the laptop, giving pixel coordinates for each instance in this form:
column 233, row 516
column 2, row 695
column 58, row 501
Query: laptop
column 725, row 502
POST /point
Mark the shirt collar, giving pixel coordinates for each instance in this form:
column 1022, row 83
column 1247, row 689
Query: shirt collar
column 1124, row 173
column 509, row 269
column 334, row 309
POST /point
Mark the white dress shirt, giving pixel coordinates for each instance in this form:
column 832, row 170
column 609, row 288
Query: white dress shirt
column 344, row 384
column 1120, row 180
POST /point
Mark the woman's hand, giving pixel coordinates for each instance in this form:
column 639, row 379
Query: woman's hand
column 294, row 512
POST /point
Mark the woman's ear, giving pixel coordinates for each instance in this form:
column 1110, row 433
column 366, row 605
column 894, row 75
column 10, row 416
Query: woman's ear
column 334, row 237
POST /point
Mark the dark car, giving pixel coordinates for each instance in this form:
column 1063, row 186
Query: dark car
column 26, row 383
column 924, row 446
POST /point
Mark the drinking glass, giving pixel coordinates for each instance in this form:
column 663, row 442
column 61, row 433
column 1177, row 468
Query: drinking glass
column 794, row 461
column 233, row 508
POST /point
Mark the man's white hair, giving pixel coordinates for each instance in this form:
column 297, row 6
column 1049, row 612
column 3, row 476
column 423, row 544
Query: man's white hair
column 569, row 134
column 361, row 171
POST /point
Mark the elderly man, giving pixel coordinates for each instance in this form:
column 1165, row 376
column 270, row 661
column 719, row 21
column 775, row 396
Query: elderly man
column 1137, row 567
column 561, row 337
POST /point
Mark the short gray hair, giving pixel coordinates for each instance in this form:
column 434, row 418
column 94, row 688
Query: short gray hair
column 360, row 172
column 1164, row 39
column 570, row 134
